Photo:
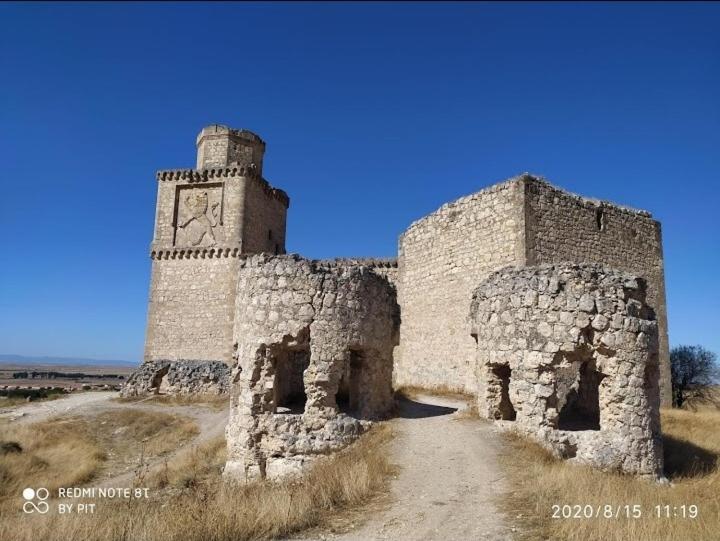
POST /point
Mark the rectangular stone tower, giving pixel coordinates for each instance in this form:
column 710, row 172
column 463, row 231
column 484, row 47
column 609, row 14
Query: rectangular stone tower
column 205, row 220
column 523, row 221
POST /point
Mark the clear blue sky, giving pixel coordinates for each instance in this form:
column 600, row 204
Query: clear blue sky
column 375, row 114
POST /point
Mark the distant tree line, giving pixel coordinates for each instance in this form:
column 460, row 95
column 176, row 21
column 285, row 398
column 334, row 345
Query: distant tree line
column 63, row 375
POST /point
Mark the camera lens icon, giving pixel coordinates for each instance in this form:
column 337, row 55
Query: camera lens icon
column 30, row 495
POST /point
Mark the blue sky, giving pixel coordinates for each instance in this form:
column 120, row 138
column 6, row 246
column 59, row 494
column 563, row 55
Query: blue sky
column 374, row 114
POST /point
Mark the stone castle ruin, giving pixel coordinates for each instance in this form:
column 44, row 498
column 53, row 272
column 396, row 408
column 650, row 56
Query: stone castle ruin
column 568, row 354
column 314, row 361
column 549, row 307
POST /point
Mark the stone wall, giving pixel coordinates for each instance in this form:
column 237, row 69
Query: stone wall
column 564, row 227
column 385, row 267
column 178, row 377
column 569, row 355
column 264, row 220
column 314, row 364
column 191, row 308
column 441, row 259
column 522, row 221
column 179, row 198
column 218, row 146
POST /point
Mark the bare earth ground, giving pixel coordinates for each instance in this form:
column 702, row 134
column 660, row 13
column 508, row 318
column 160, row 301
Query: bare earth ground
column 446, row 487
column 39, row 411
column 448, row 480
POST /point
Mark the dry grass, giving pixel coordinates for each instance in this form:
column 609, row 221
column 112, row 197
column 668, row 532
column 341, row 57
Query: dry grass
column 212, row 401
column 199, row 465
column 71, row 452
column 47, row 449
column 470, row 412
column 692, row 445
column 209, row 512
column 412, row 392
column 129, row 432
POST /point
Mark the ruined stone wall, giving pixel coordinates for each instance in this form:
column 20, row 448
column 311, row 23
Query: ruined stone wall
column 178, row 377
column 385, row 267
column 569, row 355
column 334, row 324
column 441, row 259
column 191, row 308
column 564, row 227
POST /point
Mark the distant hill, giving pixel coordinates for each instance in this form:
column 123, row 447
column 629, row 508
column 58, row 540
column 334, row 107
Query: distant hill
column 8, row 358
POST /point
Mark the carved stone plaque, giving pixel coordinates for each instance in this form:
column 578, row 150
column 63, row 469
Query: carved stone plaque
column 198, row 216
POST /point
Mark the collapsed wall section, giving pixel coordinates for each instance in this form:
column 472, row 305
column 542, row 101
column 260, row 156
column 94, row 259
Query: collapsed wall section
column 178, row 377
column 568, row 354
column 314, row 345
column 564, row 227
column 441, row 259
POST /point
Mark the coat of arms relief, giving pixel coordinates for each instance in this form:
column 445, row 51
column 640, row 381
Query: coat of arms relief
column 198, row 222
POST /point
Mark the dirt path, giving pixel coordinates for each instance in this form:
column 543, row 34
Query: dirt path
column 74, row 403
column 211, row 423
column 448, row 480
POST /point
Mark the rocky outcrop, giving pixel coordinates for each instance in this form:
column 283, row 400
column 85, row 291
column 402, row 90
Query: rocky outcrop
column 178, row 377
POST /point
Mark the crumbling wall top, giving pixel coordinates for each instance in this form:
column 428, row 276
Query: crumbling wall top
column 457, row 204
column 221, row 129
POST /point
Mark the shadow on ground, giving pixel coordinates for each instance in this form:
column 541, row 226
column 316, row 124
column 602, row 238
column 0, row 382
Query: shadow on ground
column 411, row 409
column 684, row 459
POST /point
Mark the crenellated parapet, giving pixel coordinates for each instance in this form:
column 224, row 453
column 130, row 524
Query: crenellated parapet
column 196, row 253
column 195, row 176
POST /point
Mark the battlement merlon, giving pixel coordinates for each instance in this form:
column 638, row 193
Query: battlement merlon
column 209, row 175
column 221, row 146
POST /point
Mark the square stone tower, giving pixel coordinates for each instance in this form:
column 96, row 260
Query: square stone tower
column 205, row 220
column 522, row 221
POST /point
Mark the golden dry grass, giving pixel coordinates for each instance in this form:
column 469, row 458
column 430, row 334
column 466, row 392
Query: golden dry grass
column 47, row 448
column 130, row 432
column 411, row 392
column 692, row 445
column 70, row 452
column 212, row 401
column 207, row 511
column 200, row 464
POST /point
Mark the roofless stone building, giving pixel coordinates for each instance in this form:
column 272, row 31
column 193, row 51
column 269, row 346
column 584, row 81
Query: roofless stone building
column 550, row 307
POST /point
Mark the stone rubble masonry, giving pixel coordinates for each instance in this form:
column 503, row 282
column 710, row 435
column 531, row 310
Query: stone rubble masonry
column 386, row 267
column 522, row 221
column 568, row 354
column 315, row 346
column 206, row 219
column 314, row 343
column 178, row 377
column 560, row 227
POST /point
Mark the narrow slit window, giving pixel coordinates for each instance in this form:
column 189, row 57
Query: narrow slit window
column 600, row 219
